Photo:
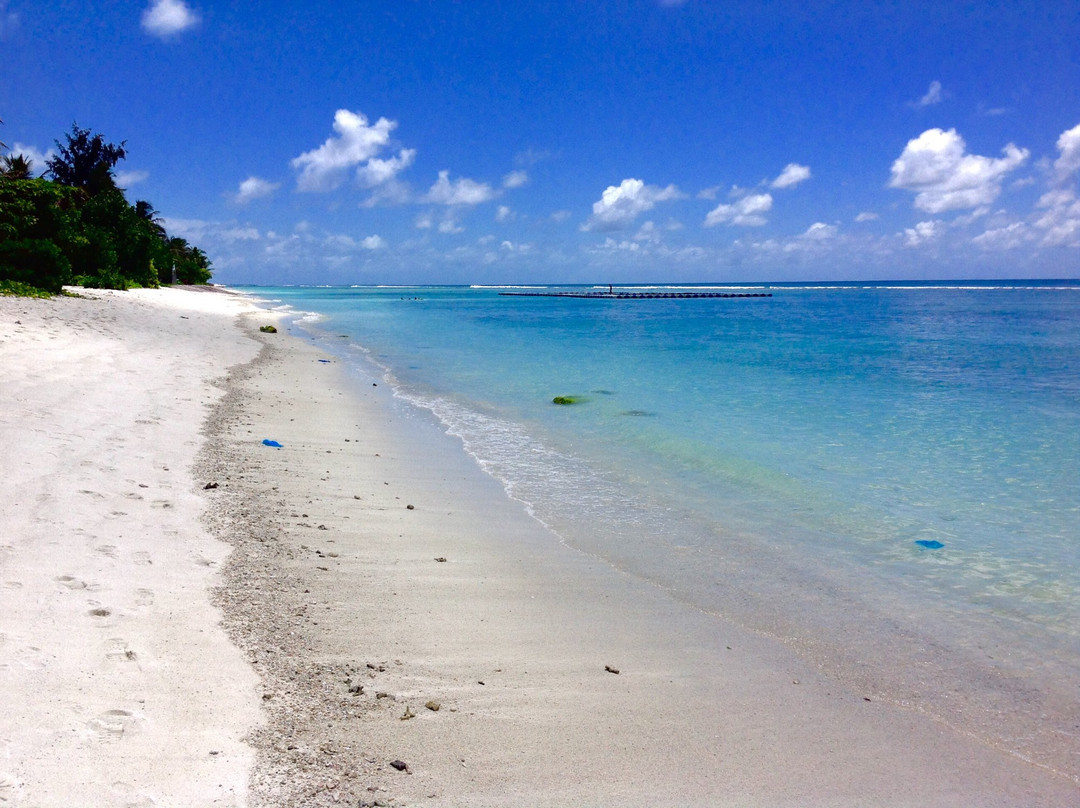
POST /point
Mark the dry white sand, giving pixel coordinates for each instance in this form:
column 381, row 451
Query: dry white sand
column 118, row 685
column 355, row 611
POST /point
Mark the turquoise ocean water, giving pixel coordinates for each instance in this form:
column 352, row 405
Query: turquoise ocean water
column 886, row 477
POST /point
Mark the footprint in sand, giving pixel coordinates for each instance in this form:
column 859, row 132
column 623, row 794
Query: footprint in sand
column 107, row 550
column 89, row 493
column 13, row 585
column 71, row 582
column 160, row 503
column 117, row 648
column 129, row 797
column 114, row 724
column 144, row 597
column 142, row 557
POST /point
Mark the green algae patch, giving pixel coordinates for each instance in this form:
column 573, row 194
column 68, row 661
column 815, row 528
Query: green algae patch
column 268, row 329
column 564, row 400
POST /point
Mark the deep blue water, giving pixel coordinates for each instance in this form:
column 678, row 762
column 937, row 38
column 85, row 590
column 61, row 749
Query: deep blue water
column 790, row 462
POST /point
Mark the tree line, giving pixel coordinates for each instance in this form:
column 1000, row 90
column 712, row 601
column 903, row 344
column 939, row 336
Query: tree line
column 73, row 225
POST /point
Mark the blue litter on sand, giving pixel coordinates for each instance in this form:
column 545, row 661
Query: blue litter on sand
column 325, row 361
column 274, row 443
column 929, row 544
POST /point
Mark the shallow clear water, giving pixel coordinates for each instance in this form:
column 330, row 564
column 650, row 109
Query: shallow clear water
column 776, row 460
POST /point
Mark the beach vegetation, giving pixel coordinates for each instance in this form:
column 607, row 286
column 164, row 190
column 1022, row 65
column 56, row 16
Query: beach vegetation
column 17, row 289
column 75, row 226
column 565, row 400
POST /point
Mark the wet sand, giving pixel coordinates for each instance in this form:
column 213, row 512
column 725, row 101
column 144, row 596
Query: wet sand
column 375, row 574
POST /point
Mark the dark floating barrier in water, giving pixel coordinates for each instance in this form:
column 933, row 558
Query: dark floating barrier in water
column 636, row 295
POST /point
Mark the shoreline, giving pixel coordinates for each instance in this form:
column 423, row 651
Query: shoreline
column 352, row 595
column 558, row 679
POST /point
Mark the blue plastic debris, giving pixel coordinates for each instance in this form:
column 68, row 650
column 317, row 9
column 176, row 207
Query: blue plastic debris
column 929, row 544
column 274, row 443
column 325, row 361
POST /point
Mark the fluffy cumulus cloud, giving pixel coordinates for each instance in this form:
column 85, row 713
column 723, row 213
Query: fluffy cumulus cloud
column 746, row 212
column 163, row 18
column 461, row 191
column 944, row 177
column 378, row 171
column 1068, row 145
column 1059, row 218
column 373, row 243
column 254, row 188
column 620, row 204
column 356, row 145
column 923, row 233
column 792, row 175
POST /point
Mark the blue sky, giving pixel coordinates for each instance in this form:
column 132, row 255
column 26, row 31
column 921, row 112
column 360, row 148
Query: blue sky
column 642, row 140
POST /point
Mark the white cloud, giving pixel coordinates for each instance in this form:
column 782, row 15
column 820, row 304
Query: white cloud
column 922, row 233
column 254, row 188
column 1002, row 238
column 125, row 179
column 561, row 215
column 819, row 231
column 708, row 193
column 163, row 18
column 324, row 168
column 934, row 165
column 503, row 214
column 1069, row 161
column 619, row 205
column 746, row 212
column 378, row 171
column 866, row 216
column 459, row 192
column 1061, row 221
column 933, row 95
column 373, row 243
column 200, row 230
column 515, row 179
column 792, row 174
column 449, row 225
column 36, row 157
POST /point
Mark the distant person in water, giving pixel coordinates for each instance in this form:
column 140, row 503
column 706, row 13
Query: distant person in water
column 610, row 289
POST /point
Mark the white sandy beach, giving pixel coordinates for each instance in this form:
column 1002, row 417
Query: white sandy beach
column 142, row 664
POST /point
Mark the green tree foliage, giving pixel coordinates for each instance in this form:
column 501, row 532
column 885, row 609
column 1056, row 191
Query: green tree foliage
column 79, row 228
column 39, row 231
column 86, row 162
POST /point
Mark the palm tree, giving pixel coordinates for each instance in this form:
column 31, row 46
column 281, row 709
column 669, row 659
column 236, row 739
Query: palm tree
column 15, row 166
column 149, row 214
